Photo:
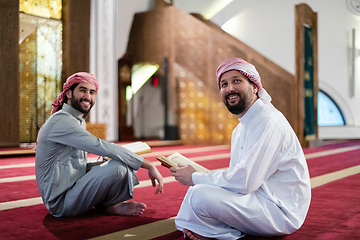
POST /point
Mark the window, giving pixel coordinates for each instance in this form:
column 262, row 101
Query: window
column 329, row 114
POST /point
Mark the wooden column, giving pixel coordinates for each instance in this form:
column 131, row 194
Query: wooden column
column 76, row 37
column 304, row 15
column 9, row 73
column 125, row 63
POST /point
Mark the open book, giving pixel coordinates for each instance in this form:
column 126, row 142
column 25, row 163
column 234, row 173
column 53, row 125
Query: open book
column 176, row 158
column 136, row 147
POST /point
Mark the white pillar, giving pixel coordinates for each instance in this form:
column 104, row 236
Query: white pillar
column 103, row 63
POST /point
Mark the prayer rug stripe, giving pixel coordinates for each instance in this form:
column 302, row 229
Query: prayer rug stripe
column 332, row 163
column 212, row 157
column 333, row 176
column 208, row 158
column 143, row 232
column 21, row 222
column 13, row 191
column 20, row 203
column 204, row 158
column 315, row 182
column 17, row 160
column 331, row 152
column 30, row 161
column 334, row 145
column 317, row 167
column 164, row 171
column 334, row 213
column 18, row 165
column 16, row 179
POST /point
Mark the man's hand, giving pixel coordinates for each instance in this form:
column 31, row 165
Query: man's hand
column 183, row 174
column 154, row 176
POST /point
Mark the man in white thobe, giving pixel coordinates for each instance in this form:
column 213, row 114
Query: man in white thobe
column 266, row 189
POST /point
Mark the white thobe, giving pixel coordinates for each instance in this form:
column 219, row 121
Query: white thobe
column 266, row 189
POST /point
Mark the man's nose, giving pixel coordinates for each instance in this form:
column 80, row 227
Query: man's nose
column 87, row 95
column 230, row 88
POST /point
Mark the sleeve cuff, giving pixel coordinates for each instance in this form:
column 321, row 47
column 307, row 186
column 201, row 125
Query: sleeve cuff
column 198, row 178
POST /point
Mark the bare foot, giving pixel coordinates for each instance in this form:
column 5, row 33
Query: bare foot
column 127, row 208
column 191, row 235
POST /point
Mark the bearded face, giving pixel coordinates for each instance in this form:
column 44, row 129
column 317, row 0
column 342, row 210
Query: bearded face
column 238, row 93
column 238, row 107
column 82, row 97
column 83, row 105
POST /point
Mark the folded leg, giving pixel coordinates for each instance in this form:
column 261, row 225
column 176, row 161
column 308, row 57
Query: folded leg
column 103, row 186
column 215, row 212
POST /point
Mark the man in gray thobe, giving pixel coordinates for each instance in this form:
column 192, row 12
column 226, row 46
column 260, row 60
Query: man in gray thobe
column 61, row 158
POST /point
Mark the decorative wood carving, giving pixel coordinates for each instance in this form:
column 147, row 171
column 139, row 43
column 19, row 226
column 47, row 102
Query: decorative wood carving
column 305, row 15
column 195, row 47
column 9, row 73
column 126, row 133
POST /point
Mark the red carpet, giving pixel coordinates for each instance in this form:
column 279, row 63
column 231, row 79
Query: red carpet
column 334, row 211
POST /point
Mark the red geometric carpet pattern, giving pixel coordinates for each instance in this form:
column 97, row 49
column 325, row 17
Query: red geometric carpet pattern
column 334, row 211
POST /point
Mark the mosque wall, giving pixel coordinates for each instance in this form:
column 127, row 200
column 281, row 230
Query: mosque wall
column 269, row 28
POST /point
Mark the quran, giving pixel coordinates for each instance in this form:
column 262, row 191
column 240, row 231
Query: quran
column 176, row 158
column 136, row 147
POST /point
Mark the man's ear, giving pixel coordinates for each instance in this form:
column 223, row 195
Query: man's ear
column 255, row 88
column 68, row 94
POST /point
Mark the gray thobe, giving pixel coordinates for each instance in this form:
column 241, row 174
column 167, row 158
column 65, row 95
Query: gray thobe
column 60, row 167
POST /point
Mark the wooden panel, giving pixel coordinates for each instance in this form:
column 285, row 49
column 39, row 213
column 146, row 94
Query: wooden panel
column 281, row 88
column 76, row 37
column 149, row 39
column 305, row 15
column 97, row 129
column 9, row 73
column 125, row 133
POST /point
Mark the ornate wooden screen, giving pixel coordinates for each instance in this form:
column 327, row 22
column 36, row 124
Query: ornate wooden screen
column 306, row 76
column 195, row 47
column 9, row 73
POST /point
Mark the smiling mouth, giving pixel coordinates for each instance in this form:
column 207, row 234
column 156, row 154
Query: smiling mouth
column 86, row 103
column 232, row 98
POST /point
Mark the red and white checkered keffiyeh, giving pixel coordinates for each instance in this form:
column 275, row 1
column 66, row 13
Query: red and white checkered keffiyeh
column 247, row 70
column 75, row 78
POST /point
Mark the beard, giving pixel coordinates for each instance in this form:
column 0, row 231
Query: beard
column 238, row 108
column 75, row 103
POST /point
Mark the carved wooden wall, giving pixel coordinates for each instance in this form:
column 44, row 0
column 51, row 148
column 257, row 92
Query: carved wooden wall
column 76, row 37
column 9, row 73
column 195, row 47
column 76, row 20
column 305, row 15
column 126, row 133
